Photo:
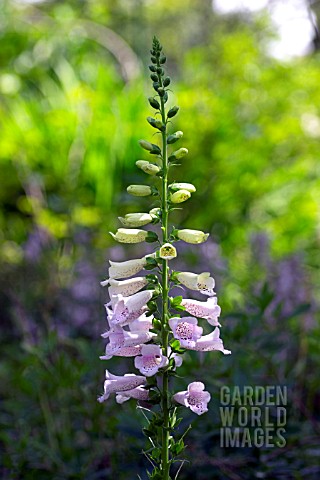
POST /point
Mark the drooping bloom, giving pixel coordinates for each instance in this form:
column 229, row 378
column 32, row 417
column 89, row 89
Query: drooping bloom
column 186, row 330
column 125, row 344
column 115, row 384
column 125, row 287
column 195, row 398
column 202, row 282
column 211, row 342
column 151, row 360
column 139, row 190
column 167, row 251
column 129, row 235
column 126, row 269
column 135, row 219
column 192, row 236
column 138, row 393
column 141, row 324
column 147, row 167
column 183, row 186
column 127, row 309
column 180, row 196
column 209, row 310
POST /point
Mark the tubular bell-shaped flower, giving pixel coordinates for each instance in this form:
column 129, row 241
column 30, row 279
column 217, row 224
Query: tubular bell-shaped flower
column 183, row 186
column 126, row 269
column 138, row 393
column 139, row 190
column 115, row 384
column 129, row 235
column 192, row 236
column 210, row 343
column 167, row 252
column 127, row 309
column 135, row 219
column 186, row 330
column 125, row 287
column 194, row 398
column 202, row 282
column 151, row 360
column 209, row 310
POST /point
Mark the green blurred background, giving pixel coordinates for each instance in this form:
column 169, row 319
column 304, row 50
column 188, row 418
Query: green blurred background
column 74, row 85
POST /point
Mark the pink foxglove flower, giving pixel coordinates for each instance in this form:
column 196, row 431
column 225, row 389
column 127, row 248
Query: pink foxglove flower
column 211, row 342
column 209, row 310
column 115, row 384
column 126, row 269
column 125, row 287
column 141, row 324
column 151, row 360
column 125, row 344
column 138, row 393
column 127, row 309
column 186, row 330
column 194, row 398
column 202, row 282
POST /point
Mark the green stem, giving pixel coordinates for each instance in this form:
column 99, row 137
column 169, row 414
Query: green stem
column 165, row 292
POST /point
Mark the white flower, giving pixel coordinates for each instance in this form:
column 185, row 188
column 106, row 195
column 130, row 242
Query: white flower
column 129, row 235
column 192, row 236
column 128, row 268
column 139, row 190
column 180, row 196
column 202, row 282
column 125, row 287
column 135, row 219
column 167, row 251
column 148, row 167
column 183, row 186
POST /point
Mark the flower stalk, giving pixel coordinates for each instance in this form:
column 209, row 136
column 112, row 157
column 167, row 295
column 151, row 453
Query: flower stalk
column 144, row 322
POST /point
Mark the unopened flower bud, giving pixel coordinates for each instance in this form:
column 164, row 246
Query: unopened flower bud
column 167, row 252
column 155, row 123
column 153, row 60
column 192, row 236
column 174, row 137
column 166, row 82
column 148, row 167
column 135, row 219
column 161, row 91
column 151, row 147
column 180, row 196
column 173, row 111
column 152, row 68
column 183, row 186
column 129, row 235
column 163, row 60
column 154, row 77
column 139, row 190
column 154, row 103
column 178, row 154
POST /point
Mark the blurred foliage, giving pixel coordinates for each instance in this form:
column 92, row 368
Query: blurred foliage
column 73, row 87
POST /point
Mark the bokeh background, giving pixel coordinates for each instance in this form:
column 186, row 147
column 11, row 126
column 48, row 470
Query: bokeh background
column 74, row 85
